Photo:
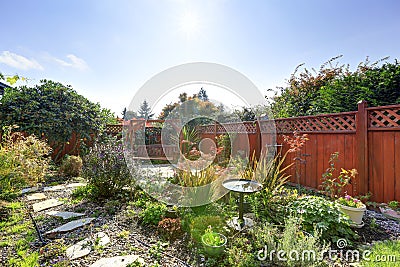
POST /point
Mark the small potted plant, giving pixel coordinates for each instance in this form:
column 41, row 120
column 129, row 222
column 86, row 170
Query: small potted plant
column 214, row 243
column 353, row 207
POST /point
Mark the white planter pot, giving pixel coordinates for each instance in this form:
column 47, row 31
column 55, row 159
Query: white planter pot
column 355, row 214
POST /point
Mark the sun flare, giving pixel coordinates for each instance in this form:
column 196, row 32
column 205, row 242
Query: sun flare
column 189, row 24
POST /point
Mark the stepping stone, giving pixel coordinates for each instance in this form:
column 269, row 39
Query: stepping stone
column 103, row 238
column 83, row 248
column 47, row 204
column 29, row 190
column 70, row 226
column 80, row 249
column 119, row 261
column 36, row 196
column 64, row 214
column 54, row 188
column 73, row 185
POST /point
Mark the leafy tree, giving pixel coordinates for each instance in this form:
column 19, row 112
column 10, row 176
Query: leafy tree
column 53, row 110
column 145, row 111
column 334, row 88
column 128, row 114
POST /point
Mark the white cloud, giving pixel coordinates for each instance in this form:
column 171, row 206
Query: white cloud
column 74, row 62
column 18, row 61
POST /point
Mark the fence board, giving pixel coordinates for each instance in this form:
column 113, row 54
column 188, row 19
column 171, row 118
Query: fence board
column 397, row 166
column 388, row 166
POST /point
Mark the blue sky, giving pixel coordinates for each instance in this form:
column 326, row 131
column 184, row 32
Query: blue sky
column 108, row 49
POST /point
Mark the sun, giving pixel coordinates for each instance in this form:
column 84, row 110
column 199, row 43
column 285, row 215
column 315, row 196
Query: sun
column 189, row 24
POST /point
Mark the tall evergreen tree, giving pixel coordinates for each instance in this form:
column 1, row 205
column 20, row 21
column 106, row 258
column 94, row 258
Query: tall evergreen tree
column 145, row 111
column 202, row 95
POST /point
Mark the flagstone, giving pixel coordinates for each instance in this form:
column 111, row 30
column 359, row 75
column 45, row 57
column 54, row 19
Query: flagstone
column 47, row 204
column 54, row 188
column 29, row 190
column 84, row 247
column 71, row 226
column 36, row 196
column 75, row 185
column 64, row 214
column 118, row 261
column 102, row 238
column 80, row 249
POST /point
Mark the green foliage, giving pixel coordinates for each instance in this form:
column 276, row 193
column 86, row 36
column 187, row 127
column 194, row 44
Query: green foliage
column 53, row 110
column 83, row 192
column 52, row 254
column 384, row 253
column 334, row 88
column 323, row 215
column 307, row 247
column 332, row 186
column 153, row 213
column 186, row 177
column 23, row 161
column 241, row 253
column 212, row 238
column 200, row 224
column 71, row 166
column 105, row 168
column 273, row 209
column 271, row 174
column 145, row 111
column 202, row 95
column 394, row 205
column 224, row 147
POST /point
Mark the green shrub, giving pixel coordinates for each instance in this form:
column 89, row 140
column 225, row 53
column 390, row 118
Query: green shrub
column 23, row 161
column 105, row 168
column 299, row 248
column 199, row 225
column 241, row 253
column 71, row 166
column 153, row 213
column 323, row 215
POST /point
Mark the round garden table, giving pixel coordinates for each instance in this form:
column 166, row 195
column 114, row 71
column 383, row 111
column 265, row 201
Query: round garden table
column 241, row 186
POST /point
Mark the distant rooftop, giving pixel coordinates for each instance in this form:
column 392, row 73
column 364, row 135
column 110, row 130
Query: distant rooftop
column 2, row 86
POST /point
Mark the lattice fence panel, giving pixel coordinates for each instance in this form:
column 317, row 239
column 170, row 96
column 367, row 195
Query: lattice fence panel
column 114, row 128
column 384, row 118
column 245, row 127
column 328, row 123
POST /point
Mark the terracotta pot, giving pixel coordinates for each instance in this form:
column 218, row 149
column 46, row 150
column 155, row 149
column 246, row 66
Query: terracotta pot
column 355, row 214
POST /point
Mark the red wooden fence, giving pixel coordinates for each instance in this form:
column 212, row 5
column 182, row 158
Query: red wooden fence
column 366, row 140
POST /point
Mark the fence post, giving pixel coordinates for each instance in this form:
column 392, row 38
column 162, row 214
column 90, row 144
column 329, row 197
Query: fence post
column 258, row 140
column 362, row 149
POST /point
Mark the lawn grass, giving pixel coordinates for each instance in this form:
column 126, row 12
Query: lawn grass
column 385, row 253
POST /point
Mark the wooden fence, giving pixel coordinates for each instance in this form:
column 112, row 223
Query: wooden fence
column 367, row 140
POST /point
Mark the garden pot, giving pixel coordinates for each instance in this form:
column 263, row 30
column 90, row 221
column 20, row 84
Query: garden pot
column 355, row 214
column 171, row 213
column 211, row 250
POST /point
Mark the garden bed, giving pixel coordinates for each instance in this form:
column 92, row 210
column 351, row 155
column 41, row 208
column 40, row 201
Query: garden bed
column 119, row 219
